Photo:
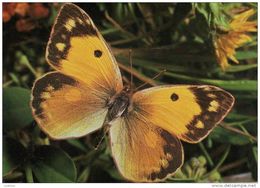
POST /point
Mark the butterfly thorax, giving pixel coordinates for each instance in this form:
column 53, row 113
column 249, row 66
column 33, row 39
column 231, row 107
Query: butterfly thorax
column 118, row 104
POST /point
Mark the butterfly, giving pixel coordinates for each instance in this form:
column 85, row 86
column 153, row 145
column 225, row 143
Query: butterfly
column 86, row 93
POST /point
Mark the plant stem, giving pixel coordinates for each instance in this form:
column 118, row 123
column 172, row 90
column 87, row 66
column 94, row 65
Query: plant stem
column 252, row 139
column 30, row 67
column 241, row 122
column 8, row 83
column 239, row 132
column 205, row 152
column 221, row 161
column 138, row 75
column 13, row 176
column 28, row 173
column 233, row 165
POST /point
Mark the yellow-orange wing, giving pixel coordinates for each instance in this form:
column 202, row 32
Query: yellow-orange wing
column 72, row 101
column 189, row 112
column 144, row 152
column 64, row 107
column 76, row 48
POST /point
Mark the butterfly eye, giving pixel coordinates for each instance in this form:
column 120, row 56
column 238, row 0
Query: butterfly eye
column 98, row 53
column 174, row 97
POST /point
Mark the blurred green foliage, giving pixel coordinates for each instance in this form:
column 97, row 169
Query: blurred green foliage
column 171, row 36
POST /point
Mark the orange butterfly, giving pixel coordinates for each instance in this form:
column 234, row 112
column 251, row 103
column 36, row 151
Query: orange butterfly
column 86, row 93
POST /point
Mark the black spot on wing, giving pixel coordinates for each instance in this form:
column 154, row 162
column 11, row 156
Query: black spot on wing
column 204, row 96
column 82, row 26
column 54, row 80
column 174, row 97
column 172, row 147
column 97, row 53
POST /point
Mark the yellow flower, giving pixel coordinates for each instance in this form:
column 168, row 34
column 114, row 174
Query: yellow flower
column 226, row 43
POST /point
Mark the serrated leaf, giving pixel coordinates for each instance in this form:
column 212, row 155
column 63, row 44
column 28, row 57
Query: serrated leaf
column 16, row 109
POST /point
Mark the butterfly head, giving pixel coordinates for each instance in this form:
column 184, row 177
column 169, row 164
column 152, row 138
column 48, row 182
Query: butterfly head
column 127, row 90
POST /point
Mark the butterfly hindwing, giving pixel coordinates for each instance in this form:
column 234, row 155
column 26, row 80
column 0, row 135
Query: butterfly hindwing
column 64, row 107
column 77, row 48
column 189, row 112
column 143, row 151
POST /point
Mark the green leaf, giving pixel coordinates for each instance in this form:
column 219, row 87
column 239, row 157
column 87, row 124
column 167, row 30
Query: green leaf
column 53, row 165
column 230, row 137
column 52, row 16
column 239, row 68
column 24, row 61
column 180, row 180
column 202, row 8
column 238, row 117
column 28, row 173
column 13, row 154
column 252, row 161
column 77, row 144
column 242, row 55
column 114, row 173
column 235, row 85
column 105, row 162
column 15, row 78
column 218, row 16
column 17, row 112
column 83, row 177
column 214, row 175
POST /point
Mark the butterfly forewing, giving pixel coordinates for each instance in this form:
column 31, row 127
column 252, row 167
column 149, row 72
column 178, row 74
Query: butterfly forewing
column 189, row 112
column 77, row 48
column 215, row 104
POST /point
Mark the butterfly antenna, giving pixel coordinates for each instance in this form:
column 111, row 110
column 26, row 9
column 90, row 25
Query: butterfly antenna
column 131, row 66
column 106, row 129
column 156, row 76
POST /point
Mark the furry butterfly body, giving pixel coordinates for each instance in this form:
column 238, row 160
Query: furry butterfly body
column 86, row 93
